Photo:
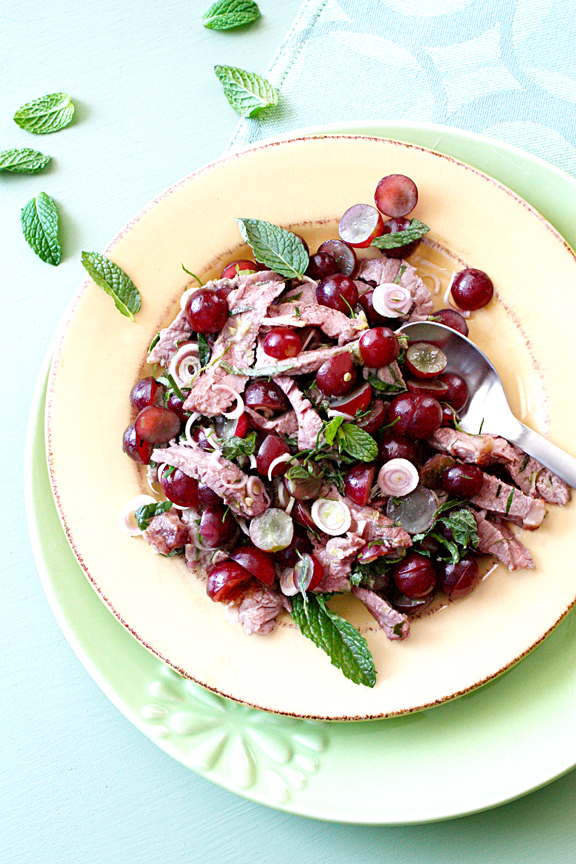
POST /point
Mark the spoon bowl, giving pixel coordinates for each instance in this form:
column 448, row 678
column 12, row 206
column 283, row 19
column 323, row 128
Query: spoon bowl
column 487, row 410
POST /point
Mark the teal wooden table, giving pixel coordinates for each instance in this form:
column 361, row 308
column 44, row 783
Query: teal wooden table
column 79, row 783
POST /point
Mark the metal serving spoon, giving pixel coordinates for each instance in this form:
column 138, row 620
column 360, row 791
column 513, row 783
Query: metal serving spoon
column 488, row 409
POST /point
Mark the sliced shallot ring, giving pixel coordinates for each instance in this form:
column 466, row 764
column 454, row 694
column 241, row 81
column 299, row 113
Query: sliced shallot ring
column 391, row 300
column 188, row 293
column 243, row 525
column 332, row 517
column 253, row 487
column 125, row 521
column 188, row 351
column 287, row 584
column 239, row 410
column 189, row 423
column 285, row 457
column 398, row 477
column 331, row 412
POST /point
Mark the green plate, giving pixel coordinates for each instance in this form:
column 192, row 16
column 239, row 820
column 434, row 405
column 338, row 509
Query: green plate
column 493, row 745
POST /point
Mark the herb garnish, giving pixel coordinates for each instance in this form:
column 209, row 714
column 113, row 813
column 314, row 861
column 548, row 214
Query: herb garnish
column 39, row 219
column 227, row 14
column 462, row 525
column 234, row 446
column 147, row 512
column 246, row 92
column 46, row 114
column 23, row 161
column 204, row 352
column 114, row 281
column 416, row 231
column 277, row 248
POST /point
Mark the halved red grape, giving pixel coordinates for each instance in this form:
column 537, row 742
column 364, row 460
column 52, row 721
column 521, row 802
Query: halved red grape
column 179, row 487
column 271, row 448
column 225, row 579
column 430, row 386
column 396, row 195
column 317, row 571
column 135, row 447
column 408, row 605
column 457, row 389
column 207, row 496
column 433, row 469
column 337, row 375
column 393, row 226
column 378, row 347
column 301, row 514
column 232, row 427
column 156, row 424
column 201, row 439
column 265, row 395
column 472, row 289
column 146, row 391
column 337, row 292
column 206, row 311
column 451, row 318
column 358, row 483
column 375, row 418
column 416, row 416
column 458, row 580
column 463, row 481
column 425, row 359
column 289, row 556
column 343, row 254
column 177, row 406
column 415, row 576
column 358, row 400
column 360, row 224
column 282, row 342
column 243, row 265
column 217, row 526
column 321, row 264
column 256, row 561
column 304, row 488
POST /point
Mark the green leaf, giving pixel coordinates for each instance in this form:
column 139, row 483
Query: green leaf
column 280, row 250
column 146, row 512
column 46, row 114
column 247, row 92
column 344, row 645
column 332, row 428
column 39, row 219
column 23, row 161
column 262, row 372
column 204, row 350
column 357, row 443
column 235, row 446
column 226, row 14
column 114, row 281
column 416, row 231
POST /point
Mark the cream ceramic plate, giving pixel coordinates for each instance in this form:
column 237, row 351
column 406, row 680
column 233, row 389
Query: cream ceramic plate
column 308, row 183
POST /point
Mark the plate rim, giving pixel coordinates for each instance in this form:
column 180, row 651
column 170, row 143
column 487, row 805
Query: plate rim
column 65, row 625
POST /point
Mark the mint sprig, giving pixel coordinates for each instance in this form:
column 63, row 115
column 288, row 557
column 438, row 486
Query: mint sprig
column 356, row 442
column 23, row 161
column 344, row 645
column 39, row 219
column 46, row 114
column 147, row 512
column 114, row 281
column 227, row 14
column 416, row 231
column 246, row 92
column 275, row 247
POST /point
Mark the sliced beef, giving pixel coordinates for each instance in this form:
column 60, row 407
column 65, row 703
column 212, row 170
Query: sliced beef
column 496, row 538
column 385, row 270
column 259, row 608
column 371, row 524
column 166, row 532
column 508, row 502
column 235, row 343
column 336, row 557
column 478, row 449
column 306, row 362
column 536, row 480
column 285, row 424
column 222, row 476
column 333, row 323
column 394, row 623
column 170, row 340
column 309, row 422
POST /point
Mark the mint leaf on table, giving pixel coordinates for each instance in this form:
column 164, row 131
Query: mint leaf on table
column 416, row 231
column 46, row 114
column 276, row 248
column 114, row 281
column 226, row 14
column 147, row 512
column 39, row 219
column 247, row 92
column 23, row 161
column 356, row 442
column 344, row 645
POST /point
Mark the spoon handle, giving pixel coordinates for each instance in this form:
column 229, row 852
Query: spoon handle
column 548, row 454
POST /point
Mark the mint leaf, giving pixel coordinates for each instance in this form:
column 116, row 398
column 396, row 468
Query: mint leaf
column 280, row 250
column 246, row 92
column 226, row 14
column 331, row 429
column 344, row 645
column 234, row 446
column 204, row 350
column 146, row 512
column 114, row 281
column 357, row 443
column 39, row 219
column 46, row 114
column 262, row 372
column 385, row 386
column 24, row 161
column 416, row 231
